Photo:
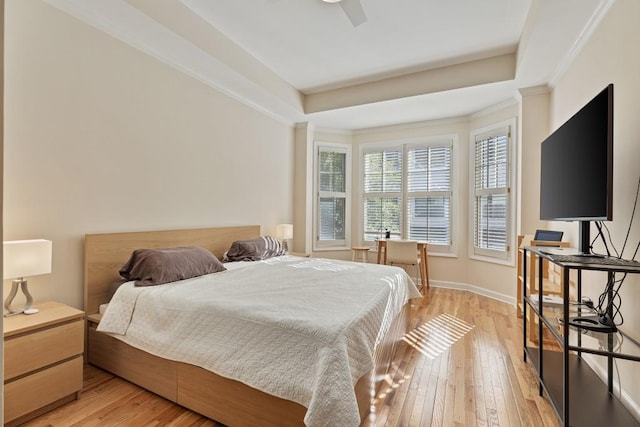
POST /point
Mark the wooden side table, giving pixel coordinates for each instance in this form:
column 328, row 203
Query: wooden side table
column 359, row 253
column 43, row 361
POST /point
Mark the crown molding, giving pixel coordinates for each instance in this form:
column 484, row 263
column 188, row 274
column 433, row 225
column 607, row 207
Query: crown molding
column 581, row 41
column 493, row 108
column 534, row 90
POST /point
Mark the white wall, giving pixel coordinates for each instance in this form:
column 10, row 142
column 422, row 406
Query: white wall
column 533, row 128
column 100, row 137
column 1, row 179
column 612, row 56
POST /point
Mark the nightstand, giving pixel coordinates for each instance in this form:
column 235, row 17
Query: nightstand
column 43, row 359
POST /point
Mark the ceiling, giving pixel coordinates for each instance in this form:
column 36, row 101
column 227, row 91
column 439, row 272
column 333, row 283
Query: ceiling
column 303, row 60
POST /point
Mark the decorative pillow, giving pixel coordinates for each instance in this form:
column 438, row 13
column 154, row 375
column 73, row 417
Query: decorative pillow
column 150, row 267
column 254, row 249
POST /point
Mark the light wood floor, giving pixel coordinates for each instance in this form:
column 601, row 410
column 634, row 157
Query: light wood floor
column 464, row 368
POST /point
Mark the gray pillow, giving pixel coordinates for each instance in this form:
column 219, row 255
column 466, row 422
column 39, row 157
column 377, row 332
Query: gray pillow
column 254, row 249
column 150, row 267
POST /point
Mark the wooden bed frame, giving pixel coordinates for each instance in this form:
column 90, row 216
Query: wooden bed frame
column 227, row 401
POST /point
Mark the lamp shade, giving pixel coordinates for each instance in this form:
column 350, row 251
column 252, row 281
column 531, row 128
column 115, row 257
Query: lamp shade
column 24, row 258
column 284, row 231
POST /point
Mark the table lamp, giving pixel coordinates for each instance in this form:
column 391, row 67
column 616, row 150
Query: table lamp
column 23, row 258
column 284, row 232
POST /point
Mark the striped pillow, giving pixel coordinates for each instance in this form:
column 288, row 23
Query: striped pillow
column 254, row 249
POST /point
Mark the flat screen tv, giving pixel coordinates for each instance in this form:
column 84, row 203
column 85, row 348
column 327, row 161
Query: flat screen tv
column 576, row 177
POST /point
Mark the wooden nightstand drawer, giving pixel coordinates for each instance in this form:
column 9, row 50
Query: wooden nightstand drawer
column 35, row 391
column 43, row 361
column 35, row 350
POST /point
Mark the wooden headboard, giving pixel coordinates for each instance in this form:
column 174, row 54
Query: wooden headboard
column 105, row 254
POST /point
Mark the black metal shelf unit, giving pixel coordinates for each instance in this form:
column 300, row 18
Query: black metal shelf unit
column 578, row 395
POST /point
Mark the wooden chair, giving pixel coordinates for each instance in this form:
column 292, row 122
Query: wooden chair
column 404, row 253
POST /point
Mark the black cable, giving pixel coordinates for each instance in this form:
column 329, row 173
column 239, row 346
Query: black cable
column 602, row 297
column 618, row 254
column 614, row 302
column 636, row 251
column 608, row 289
column 593, row 241
column 633, row 213
column 604, row 241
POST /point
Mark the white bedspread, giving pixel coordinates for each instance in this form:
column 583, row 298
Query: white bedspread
column 302, row 329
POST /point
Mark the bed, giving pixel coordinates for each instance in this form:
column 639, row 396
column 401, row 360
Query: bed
column 220, row 397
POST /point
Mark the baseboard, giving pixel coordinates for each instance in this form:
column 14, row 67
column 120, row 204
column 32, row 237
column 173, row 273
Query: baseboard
column 622, row 396
column 475, row 289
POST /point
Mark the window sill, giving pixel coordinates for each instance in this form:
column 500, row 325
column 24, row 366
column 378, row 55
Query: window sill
column 509, row 262
column 331, row 248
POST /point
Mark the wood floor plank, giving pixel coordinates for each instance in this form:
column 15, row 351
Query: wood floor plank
column 445, row 378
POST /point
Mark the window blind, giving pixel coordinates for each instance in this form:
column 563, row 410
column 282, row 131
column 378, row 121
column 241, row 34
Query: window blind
column 429, row 194
column 332, row 164
column 382, row 192
column 491, row 211
column 383, row 172
column 407, row 191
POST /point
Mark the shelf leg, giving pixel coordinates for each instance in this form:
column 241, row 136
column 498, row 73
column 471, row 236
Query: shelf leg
column 579, row 307
column 610, row 368
column 611, row 278
column 524, row 305
column 565, row 350
column 540, row 322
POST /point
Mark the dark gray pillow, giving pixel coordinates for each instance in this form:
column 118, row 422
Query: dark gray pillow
column 254, row 249
column 150, row 267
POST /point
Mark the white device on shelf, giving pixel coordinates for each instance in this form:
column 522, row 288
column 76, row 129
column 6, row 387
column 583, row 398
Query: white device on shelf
column 547, row 299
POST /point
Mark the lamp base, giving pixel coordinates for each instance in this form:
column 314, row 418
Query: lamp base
column 27, row 309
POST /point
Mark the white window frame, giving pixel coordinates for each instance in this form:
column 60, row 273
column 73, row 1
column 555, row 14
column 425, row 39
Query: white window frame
column 404, row 146
column 506, row 257
column 389, row 195
column 327, row 245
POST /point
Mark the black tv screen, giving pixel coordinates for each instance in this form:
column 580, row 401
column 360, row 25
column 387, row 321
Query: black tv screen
column 576, row 177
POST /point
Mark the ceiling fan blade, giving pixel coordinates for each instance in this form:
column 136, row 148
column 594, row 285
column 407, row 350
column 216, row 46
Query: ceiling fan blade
column 354, row 11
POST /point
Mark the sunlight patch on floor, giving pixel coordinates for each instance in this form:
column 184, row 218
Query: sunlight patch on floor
column 388, row 385
column 437, row 335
